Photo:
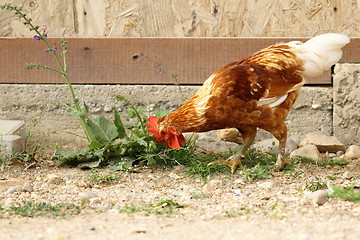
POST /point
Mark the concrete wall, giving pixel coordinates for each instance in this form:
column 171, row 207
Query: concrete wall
column 330, row 110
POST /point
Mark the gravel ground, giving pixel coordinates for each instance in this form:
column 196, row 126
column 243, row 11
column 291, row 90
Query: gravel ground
column 223, row 207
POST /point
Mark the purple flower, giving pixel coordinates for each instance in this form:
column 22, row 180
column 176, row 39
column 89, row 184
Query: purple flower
column 53, row 49
column 36, row 38
column 44, row 35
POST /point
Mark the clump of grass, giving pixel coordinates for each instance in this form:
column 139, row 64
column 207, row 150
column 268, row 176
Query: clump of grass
column 199, row 196
column 349, row 193
column 160, row 207
column 237, row 212
column 104, row 177
column 257, row 172
column 34, row 209
column 321, row 162
column 314, row 185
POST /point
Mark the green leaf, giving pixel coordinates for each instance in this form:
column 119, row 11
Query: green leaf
column 161, row 113
column 119, row 125
column 102, row 131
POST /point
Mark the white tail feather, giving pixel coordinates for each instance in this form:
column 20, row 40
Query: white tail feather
column 320, row 52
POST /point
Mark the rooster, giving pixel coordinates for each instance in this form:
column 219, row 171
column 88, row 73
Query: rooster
column 257, row 92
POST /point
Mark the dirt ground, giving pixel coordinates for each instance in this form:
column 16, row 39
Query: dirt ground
column 222, row 207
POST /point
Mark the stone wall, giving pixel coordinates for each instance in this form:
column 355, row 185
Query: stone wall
column 347, row 103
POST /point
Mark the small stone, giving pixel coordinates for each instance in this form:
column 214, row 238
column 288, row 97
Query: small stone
column 272, row 145
column 210, row 187
column 27, row 187
column 331, row 155
column 353, row 152
column 348, row 175
column 309, row 151
column 340, row 153
column 267, row 185
column 319, row 197
column 86, row 195
column 316, row 106
column 12, row 190
column 95, row 200
column 230, row 135
column 53, row 179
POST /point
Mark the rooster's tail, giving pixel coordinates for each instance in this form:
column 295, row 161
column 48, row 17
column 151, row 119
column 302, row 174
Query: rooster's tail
column 321, row 52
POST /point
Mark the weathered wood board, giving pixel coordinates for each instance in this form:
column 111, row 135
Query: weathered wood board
column 137, row 60
column 186, row 18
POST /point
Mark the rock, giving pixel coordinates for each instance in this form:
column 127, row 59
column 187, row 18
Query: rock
column 309, row 151
column 348, row 175
column 267, row 185
column 353, row 152
column 230, row 135
column 323, row 143
column 53, row 179
column 272, row 145
column 12, row 190
column 210, row 187
column 319, row 197
column 87, row 195
column 27, row 187
column 95, row 200
column 340, row 153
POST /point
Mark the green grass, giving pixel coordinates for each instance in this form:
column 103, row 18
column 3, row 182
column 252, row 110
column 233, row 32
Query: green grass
column 199, row 196
column 348, row 193
column 314, row 185
column 104, row 177
column 164, row 207
column 34, row 209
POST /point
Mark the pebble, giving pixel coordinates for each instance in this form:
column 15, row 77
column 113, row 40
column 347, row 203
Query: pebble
column 210, row 187
column 53, row 179
column 309, row 151
column 86, row 195
column 348, row 175
column 340, row 153
column 267, row 185
column 27, row 187
column 353, row 152
column 12, row 190
column 319, row 197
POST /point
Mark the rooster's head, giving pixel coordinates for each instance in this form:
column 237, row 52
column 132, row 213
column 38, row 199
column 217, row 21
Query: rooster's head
column 166, row 135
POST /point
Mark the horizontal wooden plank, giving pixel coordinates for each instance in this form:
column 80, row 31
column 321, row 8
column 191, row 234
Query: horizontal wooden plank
column 137, row 60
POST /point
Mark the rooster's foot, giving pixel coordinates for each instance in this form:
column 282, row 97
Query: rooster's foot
column 233, row 163
column 280, row 164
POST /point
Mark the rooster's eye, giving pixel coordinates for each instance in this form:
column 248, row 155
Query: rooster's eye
column 163, row 132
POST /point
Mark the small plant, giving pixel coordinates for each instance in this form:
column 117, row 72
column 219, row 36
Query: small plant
column 237, row 212
column 96, row 177
column 199, row 196
column 314, row 185
column 257, row 172
column 34, row 209
column 349, row 193
column 159, row 207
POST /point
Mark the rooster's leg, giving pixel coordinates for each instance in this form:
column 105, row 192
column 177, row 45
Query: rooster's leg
column 281, row 136
column 235, row 160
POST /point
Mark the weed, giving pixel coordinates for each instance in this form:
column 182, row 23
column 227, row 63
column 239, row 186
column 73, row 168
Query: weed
column 257, row 172
column 199, row 196
column 348, row 193
column 33, row 209
column 314, row 185
column 237, row 212
column 95, row 177
column 160, row 207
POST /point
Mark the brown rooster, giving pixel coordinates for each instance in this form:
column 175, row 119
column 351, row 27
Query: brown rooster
column 257, row 92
